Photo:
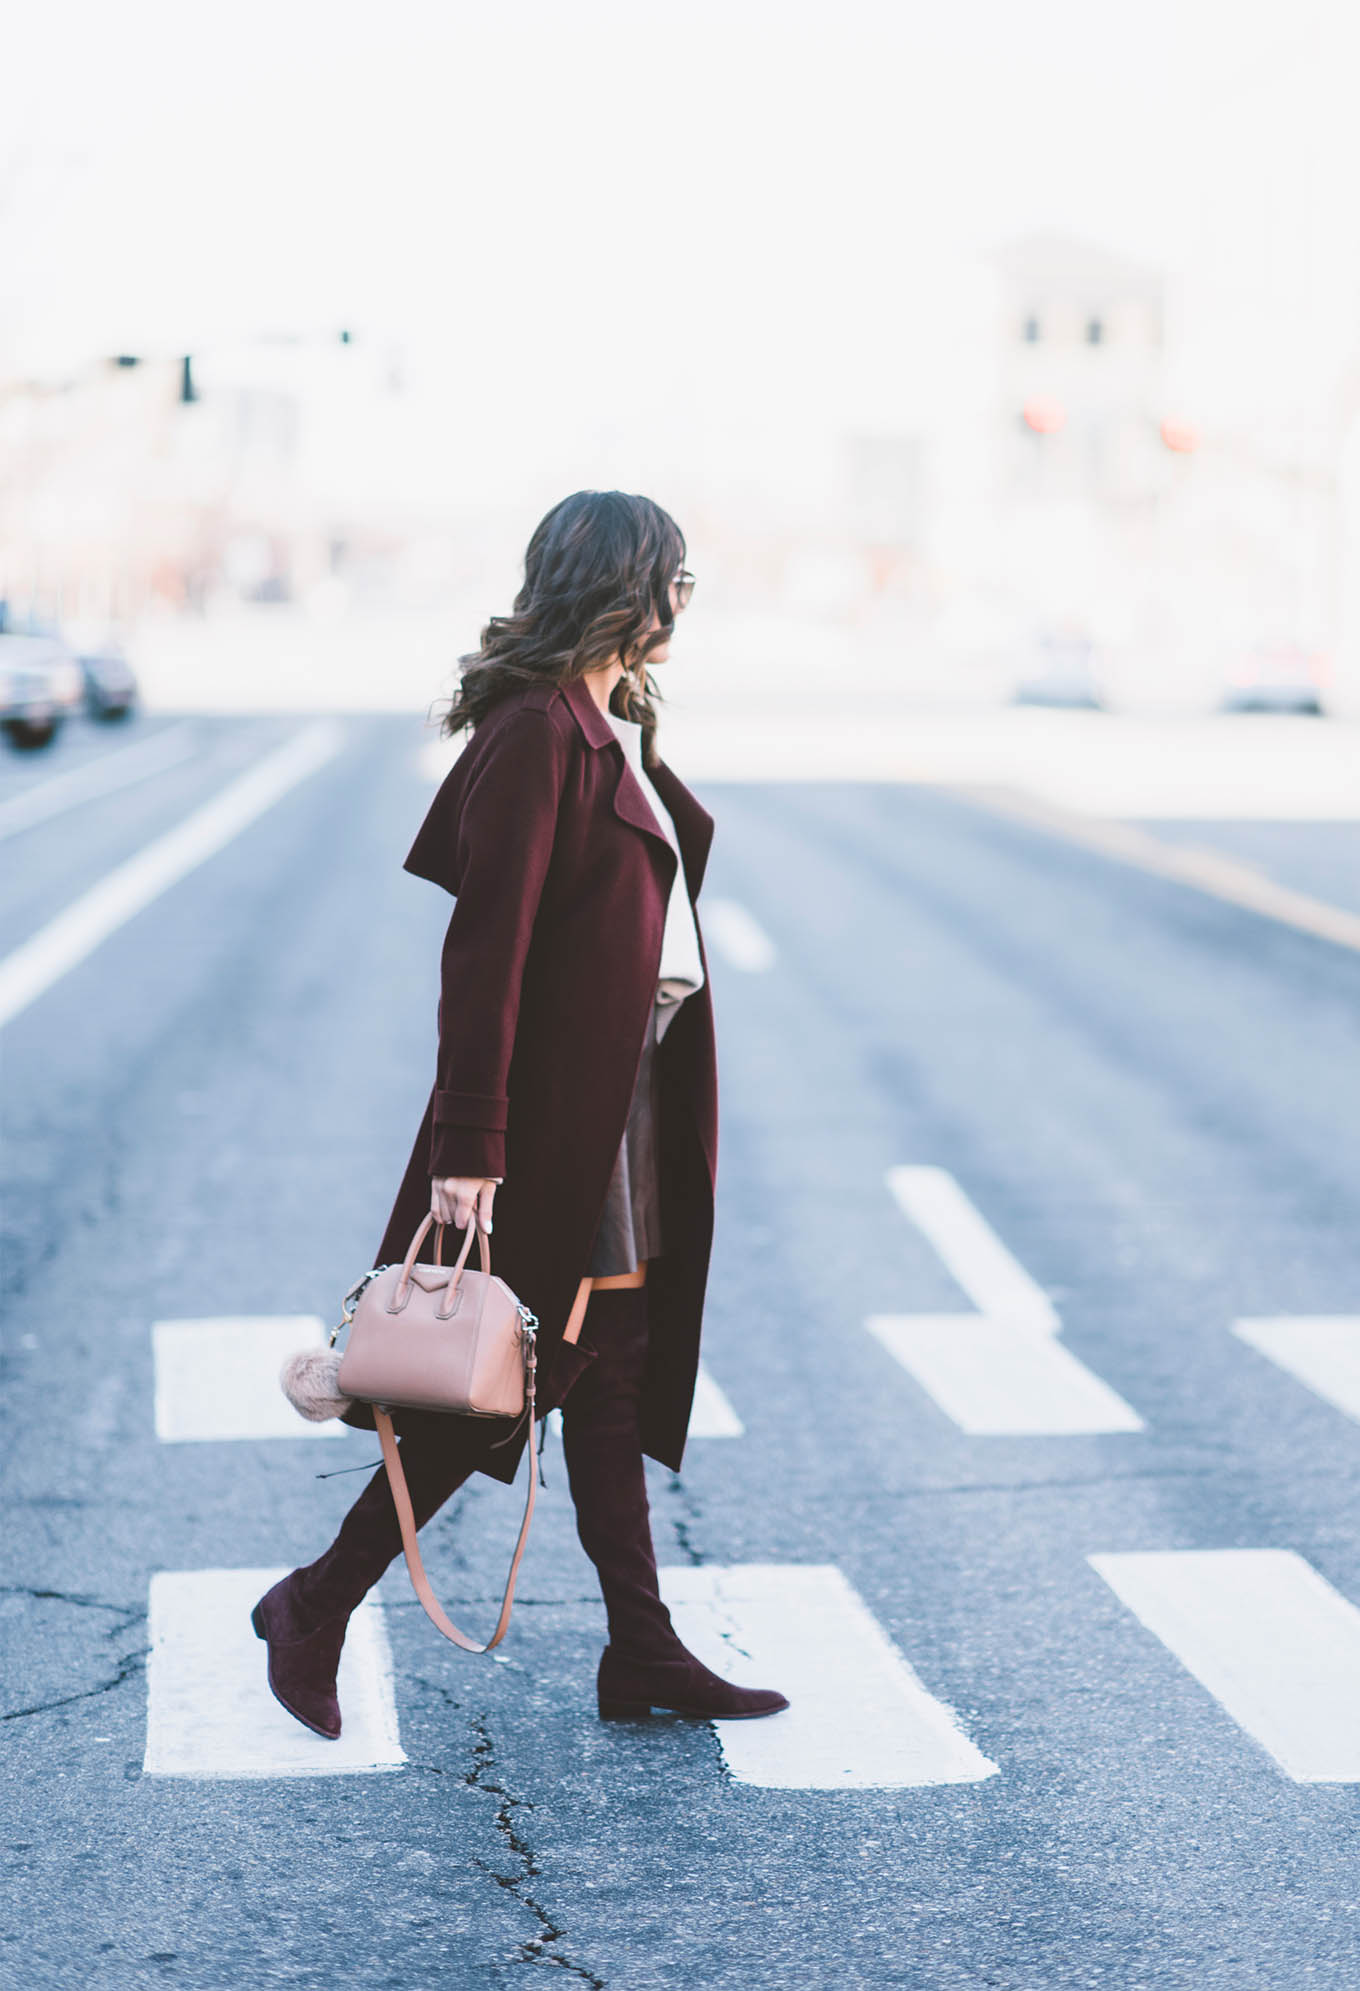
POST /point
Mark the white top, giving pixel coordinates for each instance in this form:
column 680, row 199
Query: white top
column 682, row 972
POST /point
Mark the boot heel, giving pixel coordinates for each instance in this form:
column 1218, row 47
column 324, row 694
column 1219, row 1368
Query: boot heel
column 624, row 1710
column 257, row 1621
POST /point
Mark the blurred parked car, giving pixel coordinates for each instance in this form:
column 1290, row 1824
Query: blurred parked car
column 1277, row 677
column 1064, row 674
column 41, row 684
column 110, row 686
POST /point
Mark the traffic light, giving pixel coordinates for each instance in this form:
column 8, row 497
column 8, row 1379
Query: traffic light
column 1179, row 435
column 1044, row 415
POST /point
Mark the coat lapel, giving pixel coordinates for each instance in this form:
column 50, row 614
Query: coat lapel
column 693, row 824
column 629, row 800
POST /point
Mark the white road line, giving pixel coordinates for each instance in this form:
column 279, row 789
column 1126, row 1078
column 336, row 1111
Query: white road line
column 1001, row 1372
column 858, row 1716
column 66, row 941
column 996, row 1283
column 220, row 1378
column 741, row 941
column 210, row 1712
column 102, row 776
column 997, row 1380
column 1270, row 1639
column 712, row 1415
column 1321, row 1350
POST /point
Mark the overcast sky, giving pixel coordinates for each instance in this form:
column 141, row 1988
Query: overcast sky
column 632, row 213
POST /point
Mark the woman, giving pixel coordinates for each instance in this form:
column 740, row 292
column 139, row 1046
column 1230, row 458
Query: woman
column 577, row 1069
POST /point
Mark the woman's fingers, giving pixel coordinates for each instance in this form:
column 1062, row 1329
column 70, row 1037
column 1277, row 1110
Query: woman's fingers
column 454, row 1198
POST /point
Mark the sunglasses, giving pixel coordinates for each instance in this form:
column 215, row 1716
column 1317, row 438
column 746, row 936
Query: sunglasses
column 684, row 588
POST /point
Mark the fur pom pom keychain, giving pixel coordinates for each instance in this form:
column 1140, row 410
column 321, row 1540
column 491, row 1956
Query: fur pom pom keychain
column 310, row 1381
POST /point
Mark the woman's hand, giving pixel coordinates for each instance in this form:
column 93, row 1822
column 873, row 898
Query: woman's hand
column 453, row 1198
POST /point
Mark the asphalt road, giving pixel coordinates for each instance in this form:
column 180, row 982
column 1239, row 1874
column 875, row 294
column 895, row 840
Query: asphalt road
column 1152, row 1097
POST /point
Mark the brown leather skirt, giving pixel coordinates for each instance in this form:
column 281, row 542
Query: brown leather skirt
column 630, row 1226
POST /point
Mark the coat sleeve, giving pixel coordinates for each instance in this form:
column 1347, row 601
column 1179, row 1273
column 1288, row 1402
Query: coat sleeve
column 504, row 845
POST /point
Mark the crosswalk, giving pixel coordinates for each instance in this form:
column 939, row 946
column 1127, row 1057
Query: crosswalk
column 210, row 1713
column 1262, row 1632
column 1274, row 1643
column 712, row 1415
column 1271, row 1646
column 1001, row 1371
column 1322, row 1351
column 858, row 1717
column 739, row 937
column 218, row 1379
column 209, row 1710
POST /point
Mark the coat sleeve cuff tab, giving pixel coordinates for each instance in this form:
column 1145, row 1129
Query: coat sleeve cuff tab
column 471, row 1109
column 467, row 1151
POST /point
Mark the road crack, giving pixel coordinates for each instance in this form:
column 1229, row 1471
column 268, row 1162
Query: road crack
column 129, row 1613
column 125, row 1617
column 126, row 1669
column 483, row 1776
column 684, row 1521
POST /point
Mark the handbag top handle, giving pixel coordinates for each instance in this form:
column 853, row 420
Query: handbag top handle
column 403, row 1286
column 396, row 1477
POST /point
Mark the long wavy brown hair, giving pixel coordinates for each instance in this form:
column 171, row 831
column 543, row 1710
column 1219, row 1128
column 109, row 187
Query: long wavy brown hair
column 596, row 569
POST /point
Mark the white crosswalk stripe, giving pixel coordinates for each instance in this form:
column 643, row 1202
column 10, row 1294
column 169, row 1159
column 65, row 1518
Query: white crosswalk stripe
column 210, row 1713
column 1321, row 1350
column 1000, row 1372
column 219, row 1378
column 1268, row 1636
column 712, row 1415
column 994, row 1280
column 739, row 937
column 859, row 1718
column 998, row 1380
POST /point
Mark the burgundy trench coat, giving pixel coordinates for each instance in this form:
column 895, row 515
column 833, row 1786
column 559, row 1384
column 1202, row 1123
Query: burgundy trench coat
column 561, row 876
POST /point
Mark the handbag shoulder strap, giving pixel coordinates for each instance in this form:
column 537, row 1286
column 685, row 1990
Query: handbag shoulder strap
column 420, row 1582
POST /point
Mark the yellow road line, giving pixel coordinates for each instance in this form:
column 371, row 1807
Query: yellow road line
column 1208, row 871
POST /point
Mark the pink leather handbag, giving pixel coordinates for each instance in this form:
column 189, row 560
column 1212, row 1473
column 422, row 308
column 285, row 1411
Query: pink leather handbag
column 441, row 1337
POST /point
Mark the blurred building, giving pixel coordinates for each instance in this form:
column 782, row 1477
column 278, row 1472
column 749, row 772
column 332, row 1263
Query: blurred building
column 1082, row 475
column 1166, row 488
column 1164, row 467
column 1082, row 359
column 146, row 481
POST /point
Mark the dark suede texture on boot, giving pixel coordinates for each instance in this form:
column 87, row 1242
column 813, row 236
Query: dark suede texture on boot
column 302, row 1659
column 304, row 1617
column 369, row 1540
column 644, row 1665
column 602, row 1442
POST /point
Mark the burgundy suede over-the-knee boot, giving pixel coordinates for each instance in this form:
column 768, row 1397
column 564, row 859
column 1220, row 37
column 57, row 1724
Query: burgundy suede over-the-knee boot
column 644, row 1664
column 303, row 1619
